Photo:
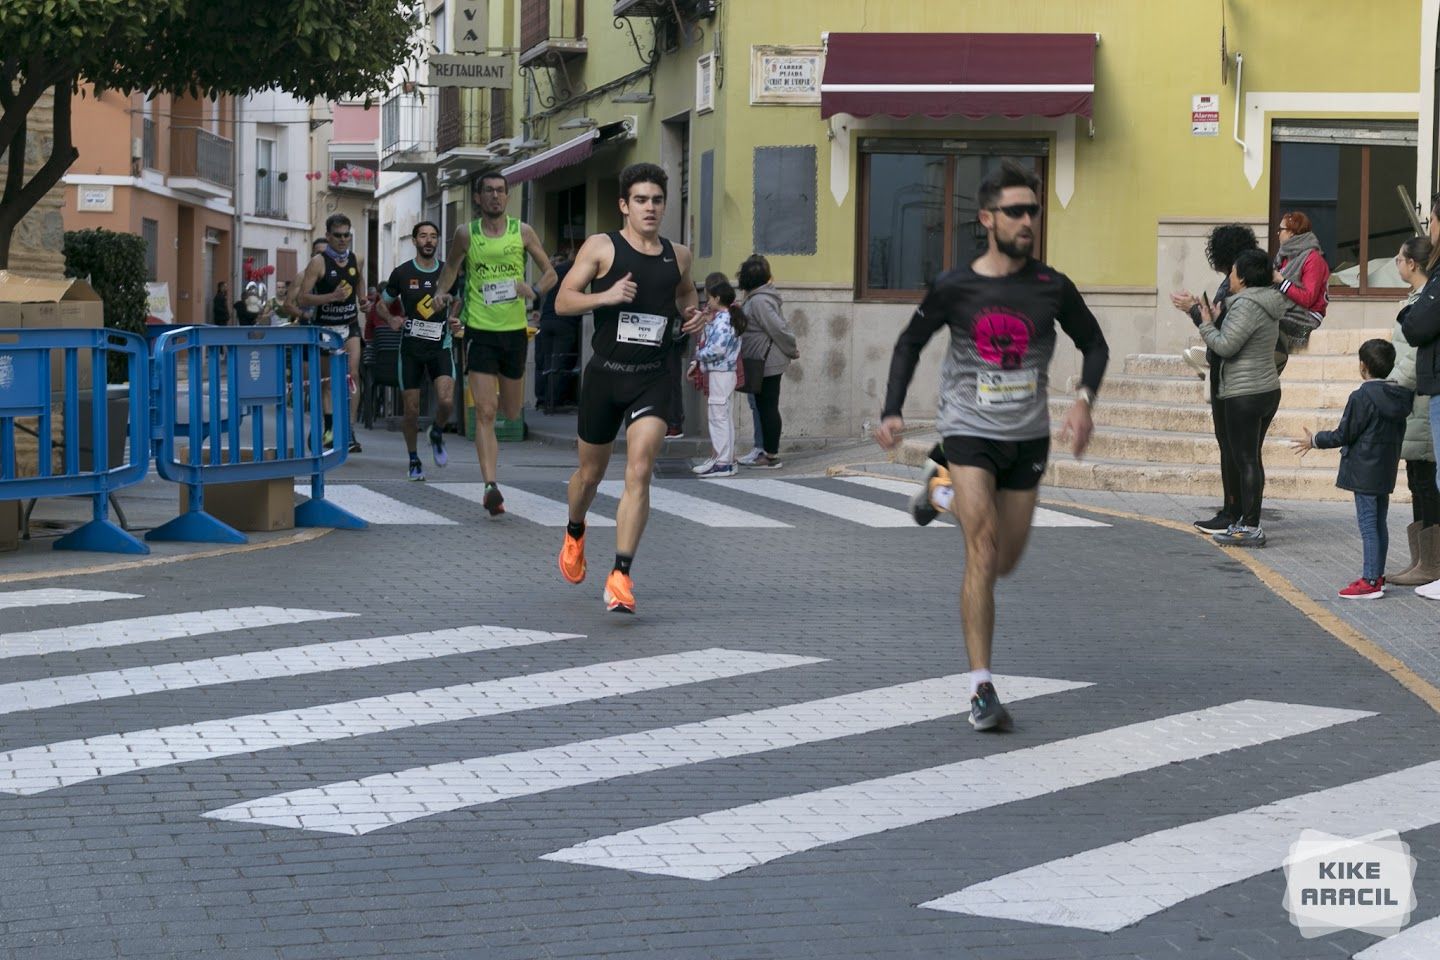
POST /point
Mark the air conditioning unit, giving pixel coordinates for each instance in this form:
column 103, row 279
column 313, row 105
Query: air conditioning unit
column 137, row 148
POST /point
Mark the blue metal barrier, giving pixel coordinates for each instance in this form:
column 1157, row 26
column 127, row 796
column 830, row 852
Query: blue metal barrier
column 270, row 376
column 26, row 358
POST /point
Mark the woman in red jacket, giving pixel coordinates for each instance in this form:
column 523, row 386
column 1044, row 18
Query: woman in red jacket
column 1302, row 275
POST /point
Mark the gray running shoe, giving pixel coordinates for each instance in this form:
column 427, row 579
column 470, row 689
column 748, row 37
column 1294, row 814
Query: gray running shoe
column 922, row 511
column 986, row 710
column 1241, row 536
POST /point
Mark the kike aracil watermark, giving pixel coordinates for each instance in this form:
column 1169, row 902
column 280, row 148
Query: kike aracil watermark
column 1341, row 883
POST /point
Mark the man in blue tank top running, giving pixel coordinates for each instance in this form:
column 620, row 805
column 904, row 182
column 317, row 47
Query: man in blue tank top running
column 640, row 292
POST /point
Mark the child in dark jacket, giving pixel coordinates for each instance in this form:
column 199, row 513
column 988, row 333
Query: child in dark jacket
column 1369, row 436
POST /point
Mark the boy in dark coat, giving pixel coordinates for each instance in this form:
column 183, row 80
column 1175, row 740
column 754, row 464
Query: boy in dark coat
column 1369, row 436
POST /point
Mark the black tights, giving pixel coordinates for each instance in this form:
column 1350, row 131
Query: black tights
column 1245, row 422
column 767, row 403
column 1424, row 498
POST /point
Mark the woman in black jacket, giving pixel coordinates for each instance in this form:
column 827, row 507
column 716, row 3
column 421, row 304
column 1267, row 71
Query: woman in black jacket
column 1421, row 326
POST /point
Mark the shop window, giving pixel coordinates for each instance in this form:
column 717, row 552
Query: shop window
column 1345, row 178
column 785, row 209
column 918, row 216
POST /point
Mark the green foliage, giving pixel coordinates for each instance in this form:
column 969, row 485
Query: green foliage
column 114, row 264
column 311, row 48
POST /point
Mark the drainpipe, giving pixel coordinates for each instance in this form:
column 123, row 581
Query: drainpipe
column 1239, row 73
column 237, row 280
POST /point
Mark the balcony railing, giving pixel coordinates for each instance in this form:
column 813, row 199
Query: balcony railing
column 407, row 132
column 147, row 143
column 459, row 125
column 551, row 26
column 203, row 155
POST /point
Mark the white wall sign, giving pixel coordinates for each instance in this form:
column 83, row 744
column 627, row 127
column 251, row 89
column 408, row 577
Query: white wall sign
column 705, row 83
column 1205, row 115
column 472, row 26
column 786, row 75
column 96, row 199
column 159, row 307
column 470, row 71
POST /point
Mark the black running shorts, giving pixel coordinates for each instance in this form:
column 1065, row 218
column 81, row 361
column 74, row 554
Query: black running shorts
column 1017, row 465
column 498, row 354
column 417, row 361
column 616, row 395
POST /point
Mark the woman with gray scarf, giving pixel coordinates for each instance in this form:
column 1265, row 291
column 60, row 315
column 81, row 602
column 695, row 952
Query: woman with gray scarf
column 1302, row 275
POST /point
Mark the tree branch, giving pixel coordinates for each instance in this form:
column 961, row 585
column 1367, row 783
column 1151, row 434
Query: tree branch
column 15, row 171
column 62, row 154
column 37, row 77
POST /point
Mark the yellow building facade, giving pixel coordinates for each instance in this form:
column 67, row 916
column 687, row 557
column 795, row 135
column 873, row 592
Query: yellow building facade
column 1326, row 107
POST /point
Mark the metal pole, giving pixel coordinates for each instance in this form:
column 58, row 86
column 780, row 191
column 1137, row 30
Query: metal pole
column 237, row 279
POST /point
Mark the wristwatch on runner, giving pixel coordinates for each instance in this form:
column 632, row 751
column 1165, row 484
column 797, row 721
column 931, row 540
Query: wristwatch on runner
column 1087, row 395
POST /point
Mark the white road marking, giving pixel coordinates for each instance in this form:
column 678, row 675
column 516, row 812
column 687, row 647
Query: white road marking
column 167, row 626
column 528, row 506
column 373, row 803
column 263, row 664
column 1043, row 517
column 375, row 507
column 704, row 512
column 717, row 844
column 1109, row 888
column 37, row 769
column 1420, row 942
column 862, row 512
column 52, row 598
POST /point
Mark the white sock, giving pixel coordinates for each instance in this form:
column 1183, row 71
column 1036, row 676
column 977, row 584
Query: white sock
column 942, row 497
column 978, row 677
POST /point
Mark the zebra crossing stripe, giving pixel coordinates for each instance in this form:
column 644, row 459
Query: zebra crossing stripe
column 168, row 626
column 718, row 844
column 1111, row 887
column 52, row 598
column 1420, row 942
column 375, row 507
column 264, row 664
column 37, row 769
column 704, row 512
column 1043, row 516
column 528, row 506
column 836, row 505
column 373, row 803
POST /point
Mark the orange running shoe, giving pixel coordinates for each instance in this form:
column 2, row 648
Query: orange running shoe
column 572, row 558
column 619, row 593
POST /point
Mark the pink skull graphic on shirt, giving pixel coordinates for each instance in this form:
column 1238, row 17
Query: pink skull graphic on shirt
column 1002, row 337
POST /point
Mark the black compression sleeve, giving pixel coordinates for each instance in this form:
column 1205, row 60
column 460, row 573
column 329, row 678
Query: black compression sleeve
column 929, row 318
column 1081, row 326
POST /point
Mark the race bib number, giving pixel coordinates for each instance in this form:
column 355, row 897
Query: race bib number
column 642, row 328
column 501, row 291
column 1006, row 388
column 427, row 329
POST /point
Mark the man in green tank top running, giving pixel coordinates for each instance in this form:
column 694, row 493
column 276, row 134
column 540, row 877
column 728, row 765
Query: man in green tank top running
column 492, row 251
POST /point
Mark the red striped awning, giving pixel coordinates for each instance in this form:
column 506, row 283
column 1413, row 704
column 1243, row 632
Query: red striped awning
column 565, row 155
column 959, row 74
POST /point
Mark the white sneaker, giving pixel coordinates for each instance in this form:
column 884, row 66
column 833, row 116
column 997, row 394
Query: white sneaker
column 702, row 466
column 1430, row 591
column 719, row 471
column 749, row 459
column 1195, row 356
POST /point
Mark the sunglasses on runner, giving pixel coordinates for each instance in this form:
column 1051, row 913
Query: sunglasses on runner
column 1017, row 210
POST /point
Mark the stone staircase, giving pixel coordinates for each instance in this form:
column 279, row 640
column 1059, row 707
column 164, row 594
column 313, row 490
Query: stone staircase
column 1154, row 434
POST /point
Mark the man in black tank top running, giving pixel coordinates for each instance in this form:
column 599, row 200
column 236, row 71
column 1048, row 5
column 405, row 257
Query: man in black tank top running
column 640, row 290
column 334, row 284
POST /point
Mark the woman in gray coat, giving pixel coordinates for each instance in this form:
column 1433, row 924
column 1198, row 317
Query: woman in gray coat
column 768, row 337
column 1249, row 386
column 1418, row 448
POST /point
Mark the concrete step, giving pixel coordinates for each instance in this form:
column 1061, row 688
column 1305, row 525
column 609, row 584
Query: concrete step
column 1294, row 393
column 1281, row 483
column 1330, row 342
column 1191, row 449
column 1190, row 417
column 1302, row 366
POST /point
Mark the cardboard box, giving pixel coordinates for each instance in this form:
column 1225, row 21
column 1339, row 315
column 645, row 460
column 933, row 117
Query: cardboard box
column 252, row 506
column 55, row 304
column 9, row 525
